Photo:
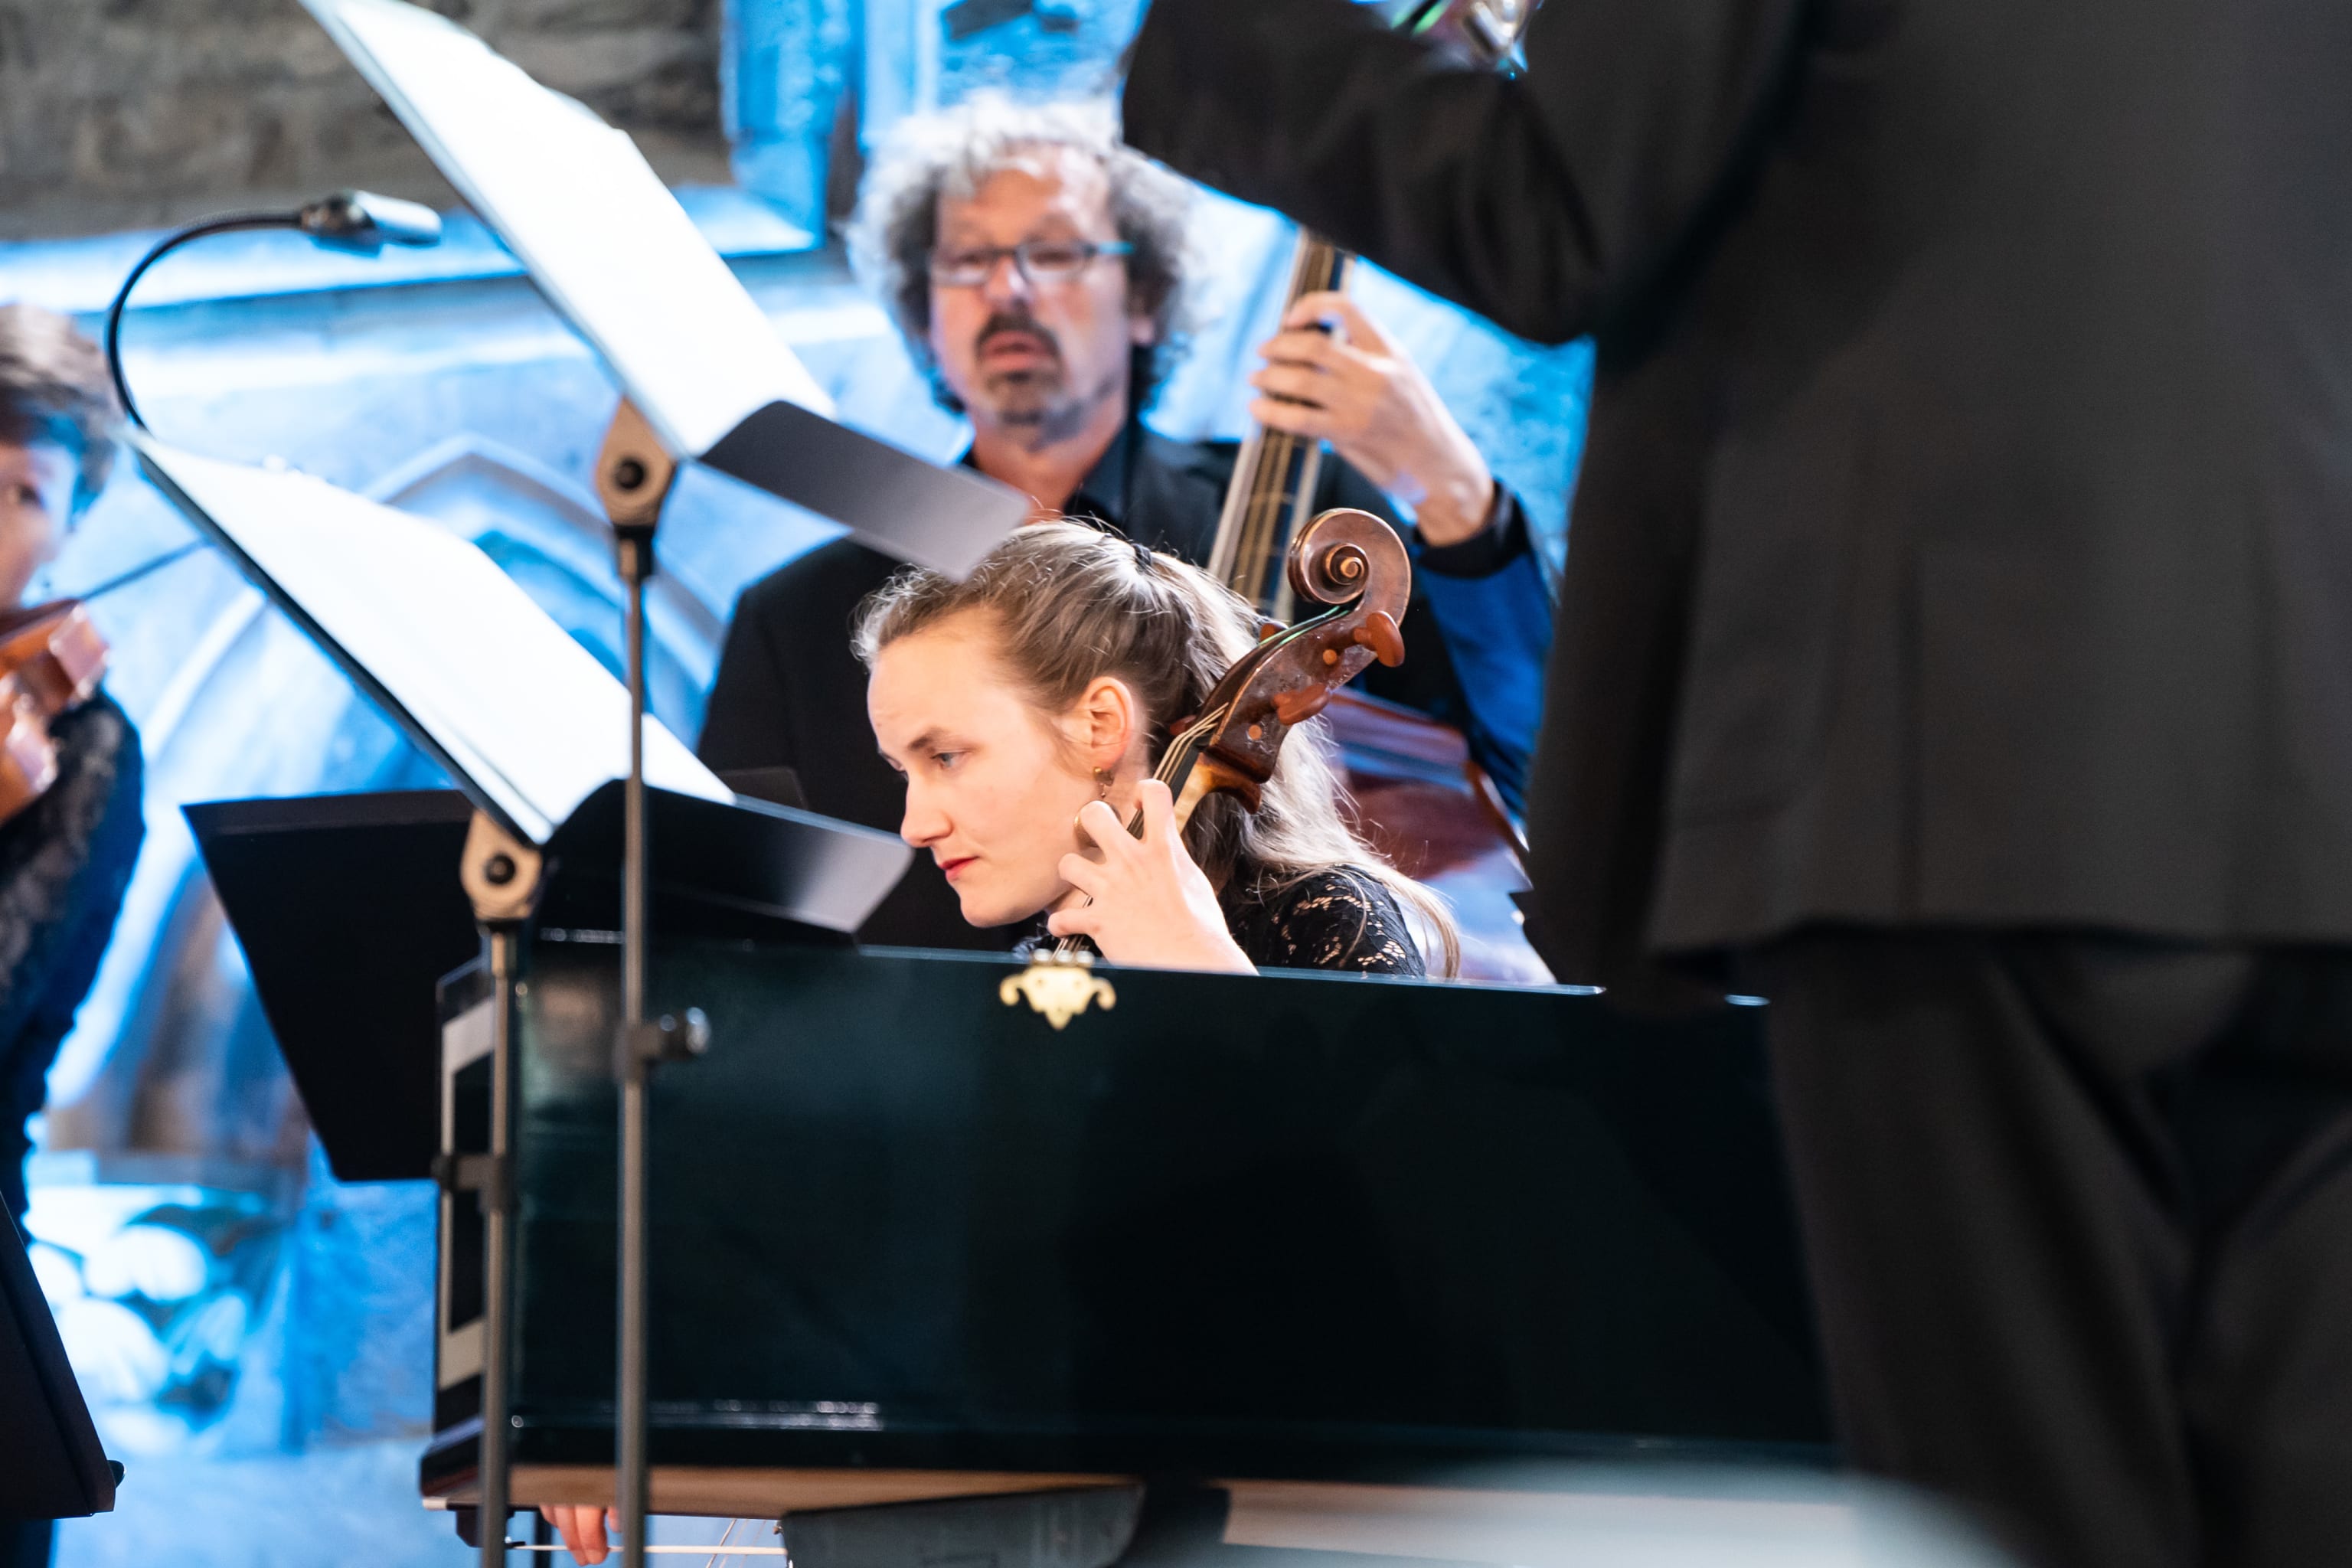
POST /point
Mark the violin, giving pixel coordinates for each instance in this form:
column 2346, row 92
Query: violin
column 1353, row 565
column 51, row 661
column 51, row 658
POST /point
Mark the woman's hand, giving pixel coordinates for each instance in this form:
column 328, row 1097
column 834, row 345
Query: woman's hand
column 582, row 1527
column 1151, row 905
column 1355, row 389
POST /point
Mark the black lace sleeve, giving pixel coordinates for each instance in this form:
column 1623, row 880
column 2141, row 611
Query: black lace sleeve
column 1332, row 920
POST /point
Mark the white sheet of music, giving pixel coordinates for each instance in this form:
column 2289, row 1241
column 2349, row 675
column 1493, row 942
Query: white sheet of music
column 579, row 207
column 513, row 703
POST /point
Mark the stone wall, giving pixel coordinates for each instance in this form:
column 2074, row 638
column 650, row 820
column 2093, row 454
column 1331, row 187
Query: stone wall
column 121, row 113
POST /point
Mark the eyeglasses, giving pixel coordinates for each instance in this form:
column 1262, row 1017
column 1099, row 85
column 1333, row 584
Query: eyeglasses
column 1039, row 261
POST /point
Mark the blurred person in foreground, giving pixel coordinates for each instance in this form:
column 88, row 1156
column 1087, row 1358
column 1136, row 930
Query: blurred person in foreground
column 65, row 860
column 1958, row 648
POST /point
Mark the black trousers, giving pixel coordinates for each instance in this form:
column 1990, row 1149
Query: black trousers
column 2078, row 1213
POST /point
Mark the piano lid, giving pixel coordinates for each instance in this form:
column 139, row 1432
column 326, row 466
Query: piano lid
column 349, row 909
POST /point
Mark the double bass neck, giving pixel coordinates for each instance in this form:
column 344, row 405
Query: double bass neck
column 1271, row 495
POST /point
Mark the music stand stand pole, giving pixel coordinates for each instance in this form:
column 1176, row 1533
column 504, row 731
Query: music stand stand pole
column 502, row 877
column 634, row 475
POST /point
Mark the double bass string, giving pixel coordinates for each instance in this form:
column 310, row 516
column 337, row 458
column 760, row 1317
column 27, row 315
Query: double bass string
column 1281, row 467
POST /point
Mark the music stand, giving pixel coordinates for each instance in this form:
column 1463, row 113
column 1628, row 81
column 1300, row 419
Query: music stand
column 704, row 378
column 51, row 1466
column 524, row 720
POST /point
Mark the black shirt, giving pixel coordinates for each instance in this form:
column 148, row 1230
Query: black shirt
column 65, row 863
column 790, row 693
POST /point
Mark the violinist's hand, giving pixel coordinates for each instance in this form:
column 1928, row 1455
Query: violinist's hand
column 582, row 1527
column 1152, row 906
column 1351, row 387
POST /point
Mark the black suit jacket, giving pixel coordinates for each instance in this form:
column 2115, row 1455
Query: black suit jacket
column 790, row 693
column 1966, row 527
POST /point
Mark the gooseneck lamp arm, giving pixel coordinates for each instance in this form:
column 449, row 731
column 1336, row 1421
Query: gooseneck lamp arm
column 355, row 221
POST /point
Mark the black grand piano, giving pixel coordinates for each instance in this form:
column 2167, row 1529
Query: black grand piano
column 911, row 1237
column 922, row 1227
column 914, row 1240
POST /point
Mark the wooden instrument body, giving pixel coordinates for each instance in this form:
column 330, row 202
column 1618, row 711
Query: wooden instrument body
column 1445, row 826
column 1441, row 821
column 51, row 659
column 1417, row 797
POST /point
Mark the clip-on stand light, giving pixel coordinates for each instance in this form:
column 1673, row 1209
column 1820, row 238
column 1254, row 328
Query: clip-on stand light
column 355, row 221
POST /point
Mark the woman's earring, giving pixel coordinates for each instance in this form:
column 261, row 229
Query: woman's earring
column 1102, row 784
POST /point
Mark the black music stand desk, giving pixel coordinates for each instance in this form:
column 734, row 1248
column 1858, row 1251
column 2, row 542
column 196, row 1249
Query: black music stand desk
column 51, row 1466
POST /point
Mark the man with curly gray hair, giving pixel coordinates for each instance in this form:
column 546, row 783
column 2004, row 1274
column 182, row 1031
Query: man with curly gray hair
column 949, row 158
column 1034, row 267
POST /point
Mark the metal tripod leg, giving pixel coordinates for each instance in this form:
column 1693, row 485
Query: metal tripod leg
column 502, row 876
column 634, row 475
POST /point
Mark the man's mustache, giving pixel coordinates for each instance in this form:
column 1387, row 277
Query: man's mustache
column 1008, row 322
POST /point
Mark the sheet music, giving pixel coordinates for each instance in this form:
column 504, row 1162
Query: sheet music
column 430, row 627
column 579, row 207
column 617, row 255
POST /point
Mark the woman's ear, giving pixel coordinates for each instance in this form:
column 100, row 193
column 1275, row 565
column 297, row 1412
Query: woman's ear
column 1109, row 721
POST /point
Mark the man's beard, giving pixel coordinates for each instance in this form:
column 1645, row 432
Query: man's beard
column 1035, row 399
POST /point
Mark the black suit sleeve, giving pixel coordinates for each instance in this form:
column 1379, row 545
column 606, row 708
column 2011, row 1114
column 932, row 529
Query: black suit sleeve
column 1526, row 200
column 64, row 864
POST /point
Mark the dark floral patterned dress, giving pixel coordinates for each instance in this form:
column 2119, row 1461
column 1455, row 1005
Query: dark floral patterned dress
column 1328, row 920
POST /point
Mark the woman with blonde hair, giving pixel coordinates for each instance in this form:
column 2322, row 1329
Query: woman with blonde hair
column 1027, row 708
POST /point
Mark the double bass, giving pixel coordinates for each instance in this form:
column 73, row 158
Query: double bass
column 1420, row 798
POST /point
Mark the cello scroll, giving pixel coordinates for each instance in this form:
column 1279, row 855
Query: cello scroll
column 1348, row 560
